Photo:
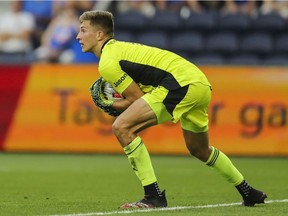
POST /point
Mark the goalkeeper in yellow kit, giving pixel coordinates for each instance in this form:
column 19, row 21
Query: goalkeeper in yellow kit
column 158, row 86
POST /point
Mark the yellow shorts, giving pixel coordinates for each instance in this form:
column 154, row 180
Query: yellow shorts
column 188, row 104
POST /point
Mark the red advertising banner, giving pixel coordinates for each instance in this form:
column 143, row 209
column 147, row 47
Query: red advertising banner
column 248, row 113
column 12, row 80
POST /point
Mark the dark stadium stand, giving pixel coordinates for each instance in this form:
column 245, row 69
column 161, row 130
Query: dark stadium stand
column 269, row 23
column 280, row 60
column 203, row 22
column 237, row 23
column 281, row 44
column 243, row 59
column 154, row 38
column 222, row 43
column 210, row 37
column 125, row 35
column 261, row 44
column 188, row 42
column 207, row 59
column 166, row 21
column 131, row 20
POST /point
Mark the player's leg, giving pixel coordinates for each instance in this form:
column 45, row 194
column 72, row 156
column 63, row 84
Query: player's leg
column 197, row 144
column 133, row 120
column 195, row 130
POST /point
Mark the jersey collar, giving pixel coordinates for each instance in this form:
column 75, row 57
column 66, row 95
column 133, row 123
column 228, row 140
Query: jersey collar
column 105, row 43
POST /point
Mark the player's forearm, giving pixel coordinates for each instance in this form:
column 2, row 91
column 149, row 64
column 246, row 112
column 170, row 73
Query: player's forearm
column 121, row 104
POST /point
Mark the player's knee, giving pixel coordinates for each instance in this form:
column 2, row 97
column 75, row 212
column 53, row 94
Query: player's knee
column 119, row 128
column 116, row 128
column 201, row 154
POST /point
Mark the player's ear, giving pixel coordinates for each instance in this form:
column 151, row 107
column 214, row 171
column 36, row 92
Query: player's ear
column 100, row 35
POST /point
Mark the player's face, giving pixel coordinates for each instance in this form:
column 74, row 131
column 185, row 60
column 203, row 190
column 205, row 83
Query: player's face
column 87, row 37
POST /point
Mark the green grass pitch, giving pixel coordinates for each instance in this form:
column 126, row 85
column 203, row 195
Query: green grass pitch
column 86, row 185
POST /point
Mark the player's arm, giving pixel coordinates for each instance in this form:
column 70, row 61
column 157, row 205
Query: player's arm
column 131, row 94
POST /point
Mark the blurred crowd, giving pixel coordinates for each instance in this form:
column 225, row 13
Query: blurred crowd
column 45, row 31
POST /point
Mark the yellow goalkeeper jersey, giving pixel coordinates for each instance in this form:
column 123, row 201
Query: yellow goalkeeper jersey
column 123, row 62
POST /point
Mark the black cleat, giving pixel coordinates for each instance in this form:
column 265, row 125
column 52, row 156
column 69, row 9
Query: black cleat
column 254, row 197
column 148, row 202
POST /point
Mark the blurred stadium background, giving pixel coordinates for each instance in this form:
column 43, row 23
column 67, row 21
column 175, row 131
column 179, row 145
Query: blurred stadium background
column 242, row 46
column 205, row 32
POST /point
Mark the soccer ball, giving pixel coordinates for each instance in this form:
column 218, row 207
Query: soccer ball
column 110, row 93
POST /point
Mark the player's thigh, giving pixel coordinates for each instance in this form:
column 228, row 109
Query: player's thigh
column 135, row 118
column 194, row 122
column 195, row 119
column 156, row 101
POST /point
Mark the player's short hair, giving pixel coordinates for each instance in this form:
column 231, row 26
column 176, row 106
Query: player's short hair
column 102, row 19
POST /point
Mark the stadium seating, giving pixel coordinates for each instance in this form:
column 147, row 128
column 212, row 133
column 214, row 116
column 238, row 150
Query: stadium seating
column 124, row 36
column 130, row 20
column 281, row 44
column 271, row 22
column 237, row 22
column 207, row 59
column 210, row 37
column 257, row 43
column 222, row 42
column 204, row 22
column 243, row 59
column 278, row 60
column 154, row 38
column 166, row 20
column 188, row 42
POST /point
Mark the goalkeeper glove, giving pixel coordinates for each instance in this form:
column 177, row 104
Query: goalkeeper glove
column 100, row 101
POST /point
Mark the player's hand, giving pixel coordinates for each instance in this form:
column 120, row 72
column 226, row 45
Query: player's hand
column 100, row 101
column 97, row 93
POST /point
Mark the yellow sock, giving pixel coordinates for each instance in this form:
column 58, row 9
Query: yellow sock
column 223, row 165
column 140, row 161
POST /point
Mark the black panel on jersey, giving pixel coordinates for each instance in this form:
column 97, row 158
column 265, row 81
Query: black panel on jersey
column 149, row 75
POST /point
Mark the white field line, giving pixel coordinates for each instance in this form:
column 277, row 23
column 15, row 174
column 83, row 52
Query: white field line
column 163, row 209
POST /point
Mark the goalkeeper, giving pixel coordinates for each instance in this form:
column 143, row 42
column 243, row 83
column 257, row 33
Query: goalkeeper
column 158, row 86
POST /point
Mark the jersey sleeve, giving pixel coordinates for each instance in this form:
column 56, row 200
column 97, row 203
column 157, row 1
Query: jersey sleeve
column 113, row 74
